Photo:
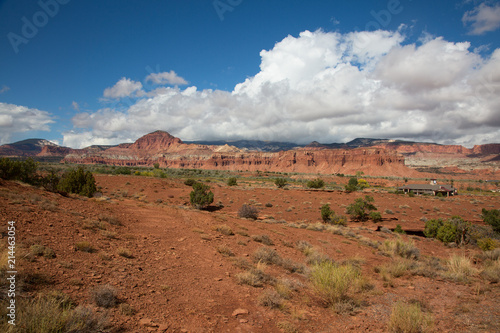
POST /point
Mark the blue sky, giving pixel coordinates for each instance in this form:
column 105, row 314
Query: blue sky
column 105, row 72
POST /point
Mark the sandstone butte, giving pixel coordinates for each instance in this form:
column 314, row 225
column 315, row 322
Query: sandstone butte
column 170, row 152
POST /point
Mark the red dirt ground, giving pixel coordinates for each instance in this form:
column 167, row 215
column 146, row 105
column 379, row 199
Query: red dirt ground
column 177, row 281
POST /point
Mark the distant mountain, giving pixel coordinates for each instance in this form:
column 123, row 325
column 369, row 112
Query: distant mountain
column 29, row 147
column 254, row 145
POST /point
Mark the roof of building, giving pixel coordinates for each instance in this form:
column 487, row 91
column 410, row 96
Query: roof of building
column 428, row 187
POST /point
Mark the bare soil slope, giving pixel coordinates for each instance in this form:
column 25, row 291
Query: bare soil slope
column 179, row 274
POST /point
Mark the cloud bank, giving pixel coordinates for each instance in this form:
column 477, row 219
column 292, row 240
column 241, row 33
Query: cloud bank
column 482, row 19
column 15, row 119
column 323, row 86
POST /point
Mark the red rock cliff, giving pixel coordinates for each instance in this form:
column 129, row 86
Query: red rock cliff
column 168, row 151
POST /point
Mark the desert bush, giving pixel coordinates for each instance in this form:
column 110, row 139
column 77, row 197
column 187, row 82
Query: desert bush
column 293, row 266
column 124, row 252
column 487, row 244
column 37, row 249
column 84, row 319
column 315, row 257
column 232, row 181
column 105, row 296
column 255, row 277
column 247, row 211
column 491, row 271
column 190, row 182
column 110, row 219
column 201, row 196
column 408, row 318
column 316, row 183
column 329, row 216
column 84, row 247
column 78, row 181
column 224, row 229
column 360, row 208
column 264, row 239
column 267, row 255
column 400, row 248
column 492, row 217
column 304, row 246
column 280, row 182
column 271, row 298
column 491, row 255
column 225, row 250
column 332, row 282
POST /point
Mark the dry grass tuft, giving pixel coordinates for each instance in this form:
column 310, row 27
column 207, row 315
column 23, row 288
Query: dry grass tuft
column 409, row 318
column 401, row 248
column 333, row 282
column 460, row 269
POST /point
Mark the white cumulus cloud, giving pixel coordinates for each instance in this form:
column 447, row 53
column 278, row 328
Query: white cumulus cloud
column 328, row 87
column 482, row 19
column 18, row 119
column 164, row 78
column 123, row 88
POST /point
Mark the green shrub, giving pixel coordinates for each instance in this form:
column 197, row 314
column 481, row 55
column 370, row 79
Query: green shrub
column 280, row 182
column 375, row 216
column 316, row 183
column 352, row 185
column 431, row 227
column 399, row 230
column 232, row 181
column 190, row 182
column 24, row 171
column 492, row 217
column 447, row 233
column 454, row 230
column 360, row 208
column 326, row 212
column 329, row 216
column 487, row 244
column 78, row 181
column 201, row 196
